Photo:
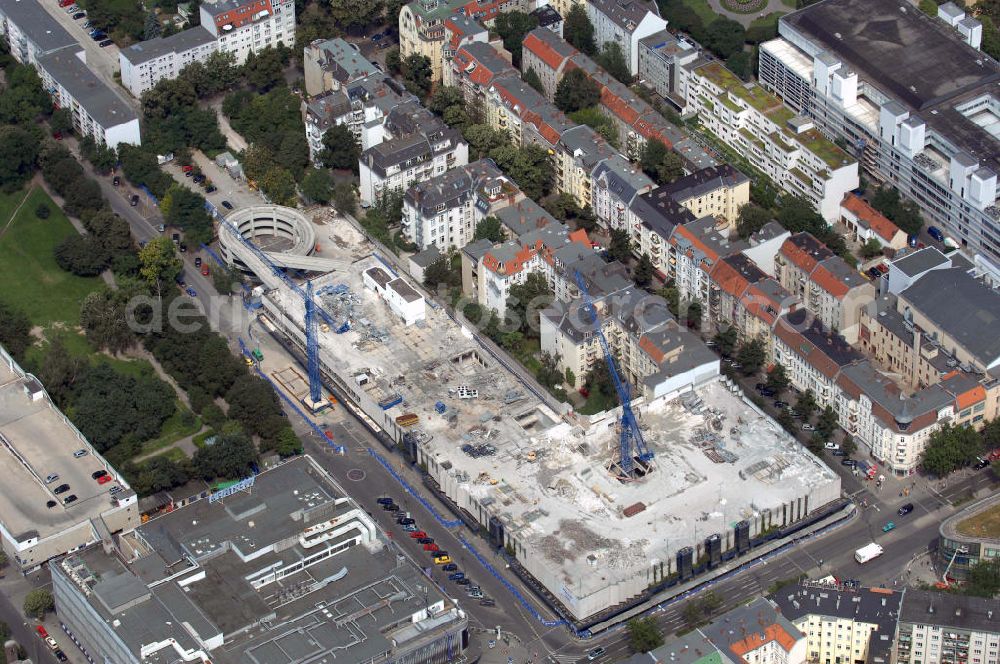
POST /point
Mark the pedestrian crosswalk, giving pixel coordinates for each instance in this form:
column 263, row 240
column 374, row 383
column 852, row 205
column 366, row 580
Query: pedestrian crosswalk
column 562, row 658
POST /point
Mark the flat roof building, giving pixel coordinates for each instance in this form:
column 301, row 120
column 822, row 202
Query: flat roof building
column 31, row 31
column 281, row 568
column 146, row 63
column 38, row 456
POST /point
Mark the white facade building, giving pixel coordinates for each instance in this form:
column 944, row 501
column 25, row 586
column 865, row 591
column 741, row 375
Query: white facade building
column 248, row 26
column 624, row 22
column 402, row 299
column 31, row 31
column 144, row 64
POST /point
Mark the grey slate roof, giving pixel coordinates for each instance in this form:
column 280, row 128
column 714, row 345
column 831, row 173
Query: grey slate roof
column 924, row 607
column 344, row 61
column 524, row 216
column 963, row 307
column 625, row 13
column 176, row 43
column 452, row 187
column 427, row 257
column 38, row 24
column 704, row 181
column 745, row 620
column 102, row 103
column 876, row 606
column 920, row 261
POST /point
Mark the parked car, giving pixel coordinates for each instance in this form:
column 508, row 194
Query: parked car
column 116, row 181
column 42, row 632
column 486, row 601
column 204, row 270
column 455, row 576
column 197, row 261
column 767, row 392
column 905, row 509
column 86, row 25
column 98, row 36
column 60, row 655
column 935, row 233
column 418, row 534
column 80, row 453
column 442, row 560
column 406, row 522
column 227, row 205
column 980, row 464
column 873, row 272
column 831, row 446
column 190, row 291
column 51, row 643
column 51, row 503
column 840, row 453
column 72, row 9
column 409, row 529
column 62, row 488
column 848, row 462
column 183, row 247
column 210, row 188
column 198, row 179
column 389, row 506
column 134, row 200
column 52, row 477
column 69, row 499
column 104, row 479
column 780, row 404
column 887, row 527
column 912, row 240
column 77, row 16
column 97, row 474
column 463, row 582
column 425, row 540
column 431, row 547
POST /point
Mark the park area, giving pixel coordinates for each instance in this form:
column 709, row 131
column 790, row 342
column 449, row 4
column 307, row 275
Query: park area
column 31, row 227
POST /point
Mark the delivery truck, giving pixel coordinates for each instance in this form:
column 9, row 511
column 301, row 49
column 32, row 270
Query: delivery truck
column 868, row 552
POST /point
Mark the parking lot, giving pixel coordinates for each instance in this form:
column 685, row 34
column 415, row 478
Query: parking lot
column 102, row 61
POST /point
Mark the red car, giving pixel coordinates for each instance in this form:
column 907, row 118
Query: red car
column 418, row 534
column 41, row 631
column 204, row 270
column 187, row 169
column 104, row 479
column 431, row 547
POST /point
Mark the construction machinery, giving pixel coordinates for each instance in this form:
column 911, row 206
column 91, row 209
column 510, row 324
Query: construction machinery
column 634, row 459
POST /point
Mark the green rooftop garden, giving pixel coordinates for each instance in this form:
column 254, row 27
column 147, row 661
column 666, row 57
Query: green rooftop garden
column 750, row 136
column 779, row 140
column 754, row 95
column 729, row 103
column 984, row 524
column 802, row 177
column 824, row 148
column 781, row 115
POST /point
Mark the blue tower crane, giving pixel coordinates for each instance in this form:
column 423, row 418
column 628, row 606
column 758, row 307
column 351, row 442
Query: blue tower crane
column 634, row 456
column 312, row 347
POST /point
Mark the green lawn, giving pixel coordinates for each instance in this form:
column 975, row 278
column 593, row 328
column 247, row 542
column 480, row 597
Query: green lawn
column 175, row 454
column 598, row 403
column 789, row 3
column 702, row 9
column 32, row 282
column 173, row 430
column 769, row 21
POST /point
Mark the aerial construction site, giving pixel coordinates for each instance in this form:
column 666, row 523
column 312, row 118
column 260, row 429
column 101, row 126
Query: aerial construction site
column 535, row 479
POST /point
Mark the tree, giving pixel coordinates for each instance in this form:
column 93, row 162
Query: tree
column 694, row 314
column 61, row 121
column 417, row 73
column 660, row 162
column 288, row 444
column 643, row 273
column 594, row 118
column 18, row 157
column 672, row 296
column 564, row 208
column 185, row 209
column 101, row 157
column 490, row 229
column 725, row 340
column 741, row 64
column 344, row 198
column 575, row 91
column 110, row 408
column 806, row 404
column 102, row 316
column 531, row 78
column 279, row 186
column 151, row 30
column 950, row 448
column 253, row 403
column 317, row 185
column 752, row 356
column 905, row 214
column 439, row 272
column 644, row 634
column 82, row 255
column 264, row 69
column 777, row 379
column 827, row 423
column 38, row 602
column 42, row 211
column 620, row 247
column 871, row 249
column 159, row 263
column 849, row 446
column 570, row 377
column 512, row 26
column 529, row 167
column 483, row 140
column 579, row 31
column 445, row 97
column 340, row 149
column 983, row 579
column 355, row 14
column 232, row 456
column 725, row 37
column 613, row 60
column 15, row 331
column 526, row 301
column 751, row 219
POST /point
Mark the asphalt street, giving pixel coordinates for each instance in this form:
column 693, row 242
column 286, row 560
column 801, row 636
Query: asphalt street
column 24, row 633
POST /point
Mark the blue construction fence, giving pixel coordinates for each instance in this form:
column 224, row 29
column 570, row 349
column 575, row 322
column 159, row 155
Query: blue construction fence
column 409, row 489
column 153, row 198
column 340, row 449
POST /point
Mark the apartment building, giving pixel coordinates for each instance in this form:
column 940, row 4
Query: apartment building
column 695, row 248
column 912, row 98
column 717, row 191
column 841, row 625
column 331, row 64
column 745, row 297
column 662, row 65
column 549, row 18
column 444, row 210
column 422, row 25
column 625, row 23
column 758, row 633
column 787, row 148
column 528, row 118
column 31, row 32
column 146, row 63
column 243, row 27
column 654, row 352
column 826, row 285
column 459, row 30
column 692, row 648
column 362, row 106
column 865, row 223
column 97, row 110
column 579, row 150
column 549, row 56
column 938, row 628
column 418, row 146
column 473, row 69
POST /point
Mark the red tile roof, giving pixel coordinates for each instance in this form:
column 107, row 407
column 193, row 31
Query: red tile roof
column 545, row 53
column 884, row 228
column 651, row 349
column 773, row 632
column 826, row 280
column 729, row 279
column 971, row 397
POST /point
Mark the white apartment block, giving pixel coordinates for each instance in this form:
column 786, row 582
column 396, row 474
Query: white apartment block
column 145, row 64
column 918, row 108
column 787, row 148
column 31, row 31
column 624, row 22
column 248, row 26
column 937, row 628
column 97, row 110
column 444, row 210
